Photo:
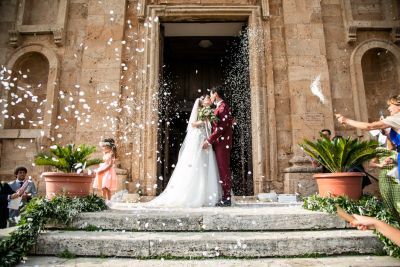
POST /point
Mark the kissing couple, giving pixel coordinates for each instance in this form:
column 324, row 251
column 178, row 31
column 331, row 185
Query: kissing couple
column 202, row 175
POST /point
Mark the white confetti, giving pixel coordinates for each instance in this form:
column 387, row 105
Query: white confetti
column 315, row 88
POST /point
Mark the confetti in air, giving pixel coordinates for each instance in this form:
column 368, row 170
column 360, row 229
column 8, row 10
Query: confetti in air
column 315, row 88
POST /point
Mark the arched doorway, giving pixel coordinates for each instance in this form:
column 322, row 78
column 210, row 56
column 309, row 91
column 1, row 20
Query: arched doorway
column 31, row 91
column 380, row 60
column 380, row 80
column 27, row 92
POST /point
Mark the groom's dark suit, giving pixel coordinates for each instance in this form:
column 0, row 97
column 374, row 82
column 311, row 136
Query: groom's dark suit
column 221, row 140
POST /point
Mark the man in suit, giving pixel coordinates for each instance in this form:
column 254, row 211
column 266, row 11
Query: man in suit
column 6, row 194
column 27, row 194
column 221, row 141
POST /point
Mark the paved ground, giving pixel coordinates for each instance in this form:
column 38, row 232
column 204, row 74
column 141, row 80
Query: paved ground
column 6, row 231
column 363, row 261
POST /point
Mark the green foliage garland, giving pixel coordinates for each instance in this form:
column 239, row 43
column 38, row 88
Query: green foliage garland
column 367, row 205
column 38, row 213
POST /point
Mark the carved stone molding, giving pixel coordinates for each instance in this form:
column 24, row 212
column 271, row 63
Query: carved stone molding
column 396, row 34
column 352, row 25
column 352, row 34
column 141, row 10
column 142, row 6
column 14, row 38
column 298, row 178
column 57, row 29
column 265, row 9
column 58, row 36
column 300, row 164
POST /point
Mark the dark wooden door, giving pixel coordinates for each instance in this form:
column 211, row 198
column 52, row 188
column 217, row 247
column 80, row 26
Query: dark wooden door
column 189, row 72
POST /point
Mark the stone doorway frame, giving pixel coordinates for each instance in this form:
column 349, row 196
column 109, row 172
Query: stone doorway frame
column 357, row 79
column 264, row 145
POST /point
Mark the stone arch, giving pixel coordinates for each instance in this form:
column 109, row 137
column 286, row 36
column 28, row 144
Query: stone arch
column 29, row 73
column 357, row 78
column 51, row 90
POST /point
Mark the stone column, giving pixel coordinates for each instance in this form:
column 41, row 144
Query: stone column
column 306, row 54
column 100, row 78
column 101, row 70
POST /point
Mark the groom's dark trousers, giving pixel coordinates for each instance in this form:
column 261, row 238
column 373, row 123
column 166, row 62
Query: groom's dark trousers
column 221, row 140
column 223, row 156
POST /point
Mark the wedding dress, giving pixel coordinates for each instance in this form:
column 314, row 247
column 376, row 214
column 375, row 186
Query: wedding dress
column 195, row 180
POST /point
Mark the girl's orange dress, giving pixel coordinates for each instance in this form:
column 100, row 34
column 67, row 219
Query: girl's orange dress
column 108, row 178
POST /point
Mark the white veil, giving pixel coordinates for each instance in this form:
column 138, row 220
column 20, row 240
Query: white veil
column 194, row 180
column 192, row 118
column 194, row 114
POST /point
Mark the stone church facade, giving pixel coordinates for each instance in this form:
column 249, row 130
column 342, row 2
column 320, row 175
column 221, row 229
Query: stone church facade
column 94, row 66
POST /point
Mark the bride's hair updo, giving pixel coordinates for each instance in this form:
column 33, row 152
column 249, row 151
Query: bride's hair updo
column 395, row 100
column 201, row 98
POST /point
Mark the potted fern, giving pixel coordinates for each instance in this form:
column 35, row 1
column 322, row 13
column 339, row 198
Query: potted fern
column 339, row 157
column 71, row 161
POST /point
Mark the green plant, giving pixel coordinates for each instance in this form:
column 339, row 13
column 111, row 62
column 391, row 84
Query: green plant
column 342, row 154
column 68, row 158
column 36, row 215
column 91, row 228
column 66, row 254
column 367, row 205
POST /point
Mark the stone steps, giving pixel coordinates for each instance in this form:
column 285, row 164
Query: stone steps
column 253, row 232
column 210, row 219
column 208, row 244
column 334, row 261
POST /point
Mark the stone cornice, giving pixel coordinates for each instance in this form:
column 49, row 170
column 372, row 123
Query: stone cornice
column 352, row 26
column 57, row 29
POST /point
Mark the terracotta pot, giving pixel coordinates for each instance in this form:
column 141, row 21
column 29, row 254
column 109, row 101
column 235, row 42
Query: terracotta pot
column 70, row 184
column 340, row 184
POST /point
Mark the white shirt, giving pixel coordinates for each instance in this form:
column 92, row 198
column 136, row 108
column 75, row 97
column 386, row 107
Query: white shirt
column 393, row 121
column 19, row 182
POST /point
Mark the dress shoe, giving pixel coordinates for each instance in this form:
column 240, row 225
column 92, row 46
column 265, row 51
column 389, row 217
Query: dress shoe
column 224, row 203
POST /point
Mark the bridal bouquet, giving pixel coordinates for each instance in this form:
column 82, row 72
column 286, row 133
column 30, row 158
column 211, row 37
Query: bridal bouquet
column 207, row 113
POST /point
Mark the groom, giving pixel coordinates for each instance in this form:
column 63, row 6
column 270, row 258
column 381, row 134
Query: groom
column 221, row 140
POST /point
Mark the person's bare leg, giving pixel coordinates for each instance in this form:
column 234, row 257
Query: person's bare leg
column 104, row 191
column 108, row 193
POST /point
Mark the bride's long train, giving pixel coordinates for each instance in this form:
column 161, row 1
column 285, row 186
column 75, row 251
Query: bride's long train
column 194, row 182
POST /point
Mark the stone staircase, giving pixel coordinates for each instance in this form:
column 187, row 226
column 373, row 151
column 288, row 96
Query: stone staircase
column 240, row 231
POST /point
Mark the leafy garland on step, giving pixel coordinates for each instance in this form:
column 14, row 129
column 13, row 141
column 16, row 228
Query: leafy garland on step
column 367, row 205
column 38, row 213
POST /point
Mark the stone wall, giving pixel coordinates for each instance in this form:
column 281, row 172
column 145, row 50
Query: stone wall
column 380, row 80
column 88, row 78
column 100, row 90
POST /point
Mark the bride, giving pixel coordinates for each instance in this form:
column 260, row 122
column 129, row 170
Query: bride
column 194, row 182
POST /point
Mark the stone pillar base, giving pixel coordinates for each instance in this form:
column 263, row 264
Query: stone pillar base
column 300, row 183
column 299, row 179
